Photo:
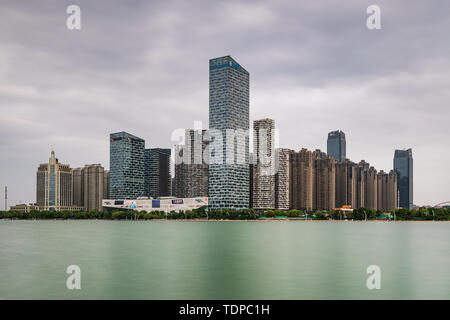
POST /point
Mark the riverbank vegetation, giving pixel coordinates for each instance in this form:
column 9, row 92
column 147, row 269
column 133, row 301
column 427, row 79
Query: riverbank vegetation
column 437, row 214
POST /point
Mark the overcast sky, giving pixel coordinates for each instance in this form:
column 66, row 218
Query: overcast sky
column 142, row 67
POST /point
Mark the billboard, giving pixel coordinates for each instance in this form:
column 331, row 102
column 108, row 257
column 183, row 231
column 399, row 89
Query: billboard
column 156, row 204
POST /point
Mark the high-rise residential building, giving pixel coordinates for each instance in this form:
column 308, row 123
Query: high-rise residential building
column 89, row 186
column 301, row 184
column 78, row 186
column 387, row 190
column 336, row 145
column 126, row 166
column 264, row 169
column 54, row 190
column 371, row 189
column 93, row 186
column 403, row 165
column 229, row 125
column 157, row 172
column 191, row 165
column 392, row 200
column 324, row 183
column 366, row 186
column 345, row 184
column 360, row 188
column 282, row 179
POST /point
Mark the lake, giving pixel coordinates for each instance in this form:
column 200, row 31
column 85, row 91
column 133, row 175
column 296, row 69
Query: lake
column 224, row 259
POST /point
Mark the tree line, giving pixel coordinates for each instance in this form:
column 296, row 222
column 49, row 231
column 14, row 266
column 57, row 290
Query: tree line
column 438, row 214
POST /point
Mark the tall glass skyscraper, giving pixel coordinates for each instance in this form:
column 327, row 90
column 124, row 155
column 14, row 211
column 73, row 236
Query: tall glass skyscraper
column 336, row 146
column 403, row 165
column 126, row 163
column 229, row 142
column 157, row 172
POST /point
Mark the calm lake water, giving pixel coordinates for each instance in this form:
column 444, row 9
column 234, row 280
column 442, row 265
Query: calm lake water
column 224, row 260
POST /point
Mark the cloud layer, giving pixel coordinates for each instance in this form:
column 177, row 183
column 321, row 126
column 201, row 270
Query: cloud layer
column 142, row 67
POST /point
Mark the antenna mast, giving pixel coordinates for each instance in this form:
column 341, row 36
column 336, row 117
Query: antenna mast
column 6, row 198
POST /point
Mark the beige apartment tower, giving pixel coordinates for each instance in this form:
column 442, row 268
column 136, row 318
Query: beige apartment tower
column 324, row 190
column 282, row 178
column 88, row 186
column 360, row 189
column 301, row 176
column 371, row 188
column 387, row 191
column 345, row 184
column 54, row 186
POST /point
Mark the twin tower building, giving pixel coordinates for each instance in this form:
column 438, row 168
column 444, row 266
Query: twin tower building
column 216, row 163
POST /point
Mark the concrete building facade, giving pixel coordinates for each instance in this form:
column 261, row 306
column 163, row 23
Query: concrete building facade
column 191, row 165
column 301, row 180
column 54, row 185
column 387, row 190
column 93, row 187
column 371, row 188
column 324, row 180
column 345, row 184
column 88, row 186
column 264, row 169
column 282, row 179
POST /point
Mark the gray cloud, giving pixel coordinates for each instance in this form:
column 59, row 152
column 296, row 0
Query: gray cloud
column 141, row 66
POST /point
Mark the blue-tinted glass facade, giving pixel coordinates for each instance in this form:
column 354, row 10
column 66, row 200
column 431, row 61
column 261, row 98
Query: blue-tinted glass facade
column 403, row 165
column 336, row 146
column 126, row 166
column 52, row 187
column 157, row 172
column 228, row 183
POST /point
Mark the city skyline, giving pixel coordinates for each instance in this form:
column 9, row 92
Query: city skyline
column 363, row 102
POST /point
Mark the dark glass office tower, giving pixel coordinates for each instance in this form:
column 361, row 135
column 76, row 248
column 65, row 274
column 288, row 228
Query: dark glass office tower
column 157, row 172
column 229, row 124
column 403, row 165
column 336, row 147
column 126, row 163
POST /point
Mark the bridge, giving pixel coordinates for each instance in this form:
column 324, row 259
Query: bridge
column 440, row 205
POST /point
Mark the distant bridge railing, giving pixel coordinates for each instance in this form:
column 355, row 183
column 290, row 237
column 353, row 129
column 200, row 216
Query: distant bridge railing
column 440, row 205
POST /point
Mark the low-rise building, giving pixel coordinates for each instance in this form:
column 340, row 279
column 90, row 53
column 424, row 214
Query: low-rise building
column 166, row 204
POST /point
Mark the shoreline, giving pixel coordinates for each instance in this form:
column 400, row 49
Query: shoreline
column 225, row 220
